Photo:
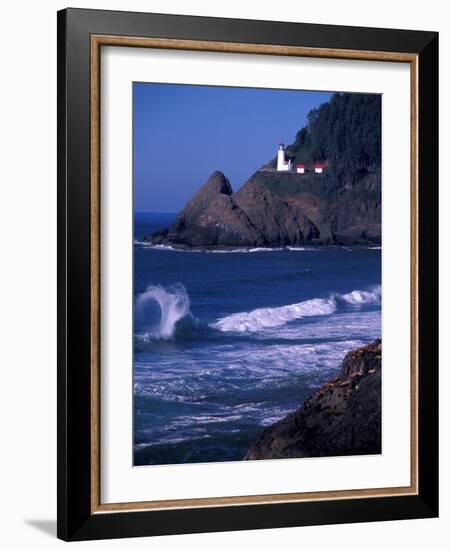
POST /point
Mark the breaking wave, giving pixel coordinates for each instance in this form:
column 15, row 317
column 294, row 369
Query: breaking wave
column 174, row 305
column 176, row 319
column 257, row 319
column 275, row 316
column 359, row 297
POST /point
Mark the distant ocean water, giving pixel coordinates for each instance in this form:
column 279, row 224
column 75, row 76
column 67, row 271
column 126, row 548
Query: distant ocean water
column 226, row 343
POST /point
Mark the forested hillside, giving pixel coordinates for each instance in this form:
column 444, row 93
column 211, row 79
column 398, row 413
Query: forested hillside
column 345, row 133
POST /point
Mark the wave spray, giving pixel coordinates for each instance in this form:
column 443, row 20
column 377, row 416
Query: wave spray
column 173, row 302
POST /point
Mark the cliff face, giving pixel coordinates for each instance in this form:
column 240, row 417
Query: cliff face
column 326, row 211
column 340, row 206
column 342, row 418
column 279, row 221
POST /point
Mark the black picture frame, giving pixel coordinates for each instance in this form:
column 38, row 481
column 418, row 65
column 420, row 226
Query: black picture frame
column 76, row 521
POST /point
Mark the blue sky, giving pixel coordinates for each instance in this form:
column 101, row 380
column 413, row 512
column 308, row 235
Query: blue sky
column 182, row 133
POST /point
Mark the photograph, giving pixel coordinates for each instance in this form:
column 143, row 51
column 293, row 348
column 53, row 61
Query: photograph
column 257, row 280
column 247, row 271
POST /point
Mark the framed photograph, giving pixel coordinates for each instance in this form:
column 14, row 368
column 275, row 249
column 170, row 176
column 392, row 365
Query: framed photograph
column 247, row 274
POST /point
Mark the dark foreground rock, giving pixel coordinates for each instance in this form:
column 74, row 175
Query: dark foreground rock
column 342, row 418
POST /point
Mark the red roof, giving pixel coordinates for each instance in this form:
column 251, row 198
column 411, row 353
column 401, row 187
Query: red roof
column 319, row 165
column 300, row 165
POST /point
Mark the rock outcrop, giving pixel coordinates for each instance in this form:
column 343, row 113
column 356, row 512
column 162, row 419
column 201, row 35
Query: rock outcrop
column 342, row 418
column 342, row 205
column 211, row 218
column 277, row 209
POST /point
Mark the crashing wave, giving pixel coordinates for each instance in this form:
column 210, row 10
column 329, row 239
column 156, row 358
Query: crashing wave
column 177, row 320
column 174, row 305
column 257, row 319
column 359, row 297
column 275, row 316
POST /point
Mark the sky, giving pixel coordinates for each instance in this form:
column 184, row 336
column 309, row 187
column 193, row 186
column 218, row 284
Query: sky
column 183, row 133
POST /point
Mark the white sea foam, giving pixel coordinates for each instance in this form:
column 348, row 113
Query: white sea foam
column 174, row 305
column 243, row 250
column 366, row 325
column 359, row 297
column 228, row 251
column 262, row 249
column 238, row 250
column 302, row 249
column 163, row 247
column 146, row 244
column 261, row 318
column 271, row 317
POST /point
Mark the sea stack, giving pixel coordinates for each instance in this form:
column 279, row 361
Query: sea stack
column 211, row 219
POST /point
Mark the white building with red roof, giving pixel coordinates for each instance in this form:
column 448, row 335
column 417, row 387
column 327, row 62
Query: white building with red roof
column 318, row 167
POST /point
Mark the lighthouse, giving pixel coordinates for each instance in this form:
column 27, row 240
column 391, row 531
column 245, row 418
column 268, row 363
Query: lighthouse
column 283, row 165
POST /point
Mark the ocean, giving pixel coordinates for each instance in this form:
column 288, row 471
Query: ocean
column 226, row 343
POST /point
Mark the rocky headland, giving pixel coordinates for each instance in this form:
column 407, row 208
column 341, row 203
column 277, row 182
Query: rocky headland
column 342, row 205
column 342, row 418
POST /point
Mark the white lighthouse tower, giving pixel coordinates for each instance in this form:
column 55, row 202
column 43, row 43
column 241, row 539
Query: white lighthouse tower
column 282, row 164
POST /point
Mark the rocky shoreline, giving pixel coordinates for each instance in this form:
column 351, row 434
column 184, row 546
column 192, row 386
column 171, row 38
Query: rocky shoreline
column 263, row 214
column 152, row 243
column 342, row 418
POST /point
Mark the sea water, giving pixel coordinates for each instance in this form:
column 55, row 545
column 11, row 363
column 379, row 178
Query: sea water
column 228, row 342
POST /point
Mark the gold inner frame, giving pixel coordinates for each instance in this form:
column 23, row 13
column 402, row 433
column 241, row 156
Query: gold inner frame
column 97, row 41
